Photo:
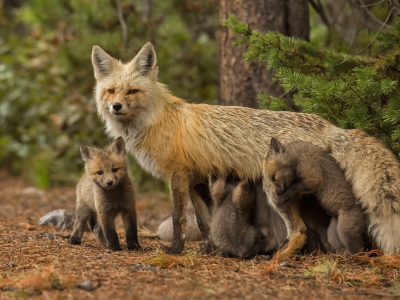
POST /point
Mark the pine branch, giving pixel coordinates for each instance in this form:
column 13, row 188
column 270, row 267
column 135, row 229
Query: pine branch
column 370, row 43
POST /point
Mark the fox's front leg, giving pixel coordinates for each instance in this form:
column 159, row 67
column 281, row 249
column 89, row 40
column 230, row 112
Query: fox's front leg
column 179, row 187
column 82, row 215
column 107, row 222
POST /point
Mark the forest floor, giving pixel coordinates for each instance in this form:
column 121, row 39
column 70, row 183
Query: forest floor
column 37, row 263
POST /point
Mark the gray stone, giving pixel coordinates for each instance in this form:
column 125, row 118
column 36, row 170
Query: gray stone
column 193, row 233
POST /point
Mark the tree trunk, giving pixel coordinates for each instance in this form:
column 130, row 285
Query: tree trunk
column 241, row 82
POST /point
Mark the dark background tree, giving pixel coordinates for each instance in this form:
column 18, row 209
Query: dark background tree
column 240, row 81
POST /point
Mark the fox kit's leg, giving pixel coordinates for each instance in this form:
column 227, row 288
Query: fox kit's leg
column 350, row 227
column 203, row 217
column 297, row 188
column 99, row 234
column 82, row 215
column 95, row 228
column 107, row 221
column 244, row 196
column 295, row 225
column 333, row 236
column 130, row 223
column 179, row 187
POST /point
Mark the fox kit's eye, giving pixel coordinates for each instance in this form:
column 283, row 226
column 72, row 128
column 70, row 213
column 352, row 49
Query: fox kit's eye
column 133, row 91
column 273, row 178
column 115, row 170
column 100, row 172
column 111, row 91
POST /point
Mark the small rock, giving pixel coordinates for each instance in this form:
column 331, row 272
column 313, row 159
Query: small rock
column 285, row 264
column 165, row 230
column 86, row 285
column 32, row 191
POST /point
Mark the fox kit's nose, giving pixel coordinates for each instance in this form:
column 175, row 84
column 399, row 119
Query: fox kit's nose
column 110, row 182
column 117, row 106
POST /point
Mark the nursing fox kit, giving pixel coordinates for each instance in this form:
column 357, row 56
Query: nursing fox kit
column 186, row 142
column 104, row 191
column 301, row 168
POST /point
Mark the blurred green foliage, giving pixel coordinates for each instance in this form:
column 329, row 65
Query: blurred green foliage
column 46, row 76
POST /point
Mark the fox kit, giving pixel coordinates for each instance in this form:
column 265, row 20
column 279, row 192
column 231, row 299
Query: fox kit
column 243, row 224
column 186, row 142
column 104, row 191
column 301, row 168
column 231, row 231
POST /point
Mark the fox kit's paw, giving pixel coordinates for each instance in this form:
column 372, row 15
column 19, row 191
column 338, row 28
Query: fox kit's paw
column 293, row 245
column 207, row 248
column 114, row 248
column 282, row 199
column 134, row 247
column 74, row 241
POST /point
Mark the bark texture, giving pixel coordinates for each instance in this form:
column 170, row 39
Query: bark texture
column 241, row 82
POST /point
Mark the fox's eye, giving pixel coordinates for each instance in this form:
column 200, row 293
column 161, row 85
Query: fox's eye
column 115, row 170
column 133, row 91
column 100, row 172
column 273, row 178
column 111, row 91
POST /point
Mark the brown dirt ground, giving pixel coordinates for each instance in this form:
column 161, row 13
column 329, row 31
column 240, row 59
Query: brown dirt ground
column 37, row 263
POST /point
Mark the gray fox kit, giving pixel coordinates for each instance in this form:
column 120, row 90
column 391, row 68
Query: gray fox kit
column 231, row 231
column 301, row 168
column 243, row 224
column 104, row 191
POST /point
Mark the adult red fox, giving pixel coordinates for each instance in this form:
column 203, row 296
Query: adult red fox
column 185, row 142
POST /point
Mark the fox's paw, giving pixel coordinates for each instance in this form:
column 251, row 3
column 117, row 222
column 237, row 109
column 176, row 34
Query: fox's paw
column 114, row 248
column 74, row 241
column 170, row 250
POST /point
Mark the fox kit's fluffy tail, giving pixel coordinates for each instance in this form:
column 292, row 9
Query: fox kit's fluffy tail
column 374, row 173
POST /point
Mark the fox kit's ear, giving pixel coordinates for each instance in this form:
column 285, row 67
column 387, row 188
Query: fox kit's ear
column 145, row 62
column 103, row 63
column 86, row 153
column 275, row 147
column 118, row 147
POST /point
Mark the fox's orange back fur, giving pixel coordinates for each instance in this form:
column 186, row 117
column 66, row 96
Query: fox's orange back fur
column 168, row 135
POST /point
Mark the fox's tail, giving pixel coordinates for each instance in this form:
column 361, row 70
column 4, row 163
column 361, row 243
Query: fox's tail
column 374, row 173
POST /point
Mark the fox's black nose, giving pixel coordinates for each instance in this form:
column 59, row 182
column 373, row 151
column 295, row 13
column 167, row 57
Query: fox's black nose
column 110, row 182
column 117, row 106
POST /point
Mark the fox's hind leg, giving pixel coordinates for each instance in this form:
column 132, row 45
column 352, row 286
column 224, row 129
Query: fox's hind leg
column 350, row 228
column 82, row 215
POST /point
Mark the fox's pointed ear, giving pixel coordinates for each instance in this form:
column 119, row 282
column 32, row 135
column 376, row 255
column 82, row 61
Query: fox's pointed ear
column 86, row 153
column 118, row 147
column 275, row 147
column 145, row 62
column 103, row 63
